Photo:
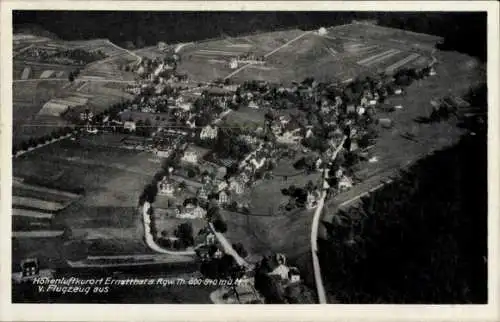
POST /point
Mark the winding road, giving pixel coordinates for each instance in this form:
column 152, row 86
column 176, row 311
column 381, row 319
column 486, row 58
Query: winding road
column 314, row 232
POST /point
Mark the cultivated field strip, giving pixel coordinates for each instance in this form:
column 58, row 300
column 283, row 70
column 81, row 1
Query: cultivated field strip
column 402, row 62
column 37, row 234
column 382, row 58
column 37, row 203
column 358, row 47
column 217, row 53
column 32, row 214
column 371, row 58
column 366, row 49
column 18, row 184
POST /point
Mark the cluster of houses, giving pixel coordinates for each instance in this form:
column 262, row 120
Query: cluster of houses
column 213, row 188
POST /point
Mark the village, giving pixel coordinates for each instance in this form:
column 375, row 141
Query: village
column 222, row 147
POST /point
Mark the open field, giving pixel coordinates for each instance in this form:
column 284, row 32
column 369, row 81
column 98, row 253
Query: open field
column 294, row 55
column 201, row 70
column 266, row 197
column 244, row 116
column 111, row 180
column 28, row 99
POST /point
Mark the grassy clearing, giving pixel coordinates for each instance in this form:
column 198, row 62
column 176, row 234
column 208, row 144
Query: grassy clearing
column 266, row 197
column 246, row 115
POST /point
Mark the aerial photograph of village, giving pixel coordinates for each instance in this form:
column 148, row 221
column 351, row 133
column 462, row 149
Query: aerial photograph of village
column 249, row 157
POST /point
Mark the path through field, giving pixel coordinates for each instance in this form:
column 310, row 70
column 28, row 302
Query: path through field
column 269, row 53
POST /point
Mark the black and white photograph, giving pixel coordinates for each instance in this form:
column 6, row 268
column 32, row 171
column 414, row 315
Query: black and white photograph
column 248, row 156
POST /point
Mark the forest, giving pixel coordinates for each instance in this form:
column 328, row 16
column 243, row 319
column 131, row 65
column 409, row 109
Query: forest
column 421, row 239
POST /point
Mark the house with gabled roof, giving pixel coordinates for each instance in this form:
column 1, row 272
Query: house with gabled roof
column 202, row 193
column 209, row 132
column 224, row 197
column 166, row 187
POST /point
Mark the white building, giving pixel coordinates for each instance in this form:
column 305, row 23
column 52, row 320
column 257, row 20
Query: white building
column 222, row 185
column 163, row 153
column 258, row 164
column 233, row 64
column 191, row 123
column 289, row 137
column 253, row 105
column 165, row 187
column 236, row 186
column 224, row 198
column 322, row 31
column 250, row 139
column 312, row 199
column 209, row 132
column 344, row 183
column 190, row 156
column 129, row 125
column 185, row 106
